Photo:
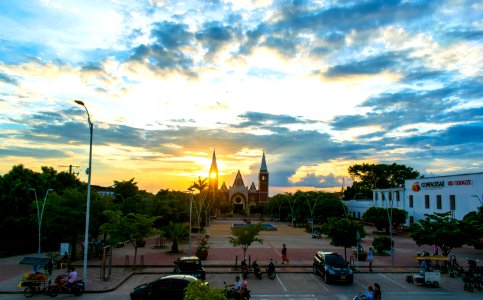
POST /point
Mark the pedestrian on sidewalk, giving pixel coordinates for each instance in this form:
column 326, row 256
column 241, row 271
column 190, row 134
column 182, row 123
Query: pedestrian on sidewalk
column 370, row 258
column 284, row 254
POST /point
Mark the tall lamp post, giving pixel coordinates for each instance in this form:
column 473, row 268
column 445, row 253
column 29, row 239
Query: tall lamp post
column 89, row 172
column 312, row 209
column 389, row 217
column 191, row 210
column 40, row 214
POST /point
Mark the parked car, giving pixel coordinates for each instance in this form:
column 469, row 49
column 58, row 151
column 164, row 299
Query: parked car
column 332, row 267
column 189, row 265
column 168, row 287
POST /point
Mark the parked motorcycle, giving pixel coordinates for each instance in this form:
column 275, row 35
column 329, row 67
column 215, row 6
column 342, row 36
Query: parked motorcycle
column 59, row 287
column 256, row 270
column 271, row 272
column 473, row 278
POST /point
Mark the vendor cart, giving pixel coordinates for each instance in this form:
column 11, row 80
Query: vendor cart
column 428, row 278
column 36, row 282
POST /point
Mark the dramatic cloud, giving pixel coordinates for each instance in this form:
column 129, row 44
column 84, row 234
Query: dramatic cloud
column 316, row 85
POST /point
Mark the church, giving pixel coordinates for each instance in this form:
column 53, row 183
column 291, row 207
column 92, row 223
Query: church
column 238, row 195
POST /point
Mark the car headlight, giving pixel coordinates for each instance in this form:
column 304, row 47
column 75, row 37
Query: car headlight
column 331, row 271
column 349, row 271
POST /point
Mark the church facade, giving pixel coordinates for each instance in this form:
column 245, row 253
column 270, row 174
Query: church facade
column 239, row 196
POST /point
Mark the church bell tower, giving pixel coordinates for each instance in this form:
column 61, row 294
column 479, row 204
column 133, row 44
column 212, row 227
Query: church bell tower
column 263, row 180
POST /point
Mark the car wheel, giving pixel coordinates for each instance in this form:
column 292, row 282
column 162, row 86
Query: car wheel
column 314, row 269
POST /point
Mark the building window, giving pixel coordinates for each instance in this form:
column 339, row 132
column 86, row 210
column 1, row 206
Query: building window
column 376, row 196
column 426, row 201
column 411, row 220
column 438, row 202
column 397, row 196
column 452, row 202
column 358, row 215
column 389, row 196
column 383, row 196
column 411, row 201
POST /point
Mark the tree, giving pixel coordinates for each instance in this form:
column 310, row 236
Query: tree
column 343, row 232
column 473, row 226
column 199, row 290
column 371, row 176
column 439, row 228
column 176, row 232
column 379, row 216
column 245, row 236
column 131, row 227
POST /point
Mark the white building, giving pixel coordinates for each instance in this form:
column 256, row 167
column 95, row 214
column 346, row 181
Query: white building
column 459, row 194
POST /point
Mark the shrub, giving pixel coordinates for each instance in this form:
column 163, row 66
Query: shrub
column 382, row 243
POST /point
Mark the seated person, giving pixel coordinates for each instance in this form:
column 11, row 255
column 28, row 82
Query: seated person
column 369, row 293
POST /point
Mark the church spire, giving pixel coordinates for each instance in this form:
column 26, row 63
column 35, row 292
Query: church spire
column 263, row 167
column 213, row 175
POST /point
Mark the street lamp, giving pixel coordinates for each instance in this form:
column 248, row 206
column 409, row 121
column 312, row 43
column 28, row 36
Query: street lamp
column 40, row 214
column 389, row 217
column 191, row 209
column 121, row 197
column 312, row 208
column 88, row 171
column 477, row 197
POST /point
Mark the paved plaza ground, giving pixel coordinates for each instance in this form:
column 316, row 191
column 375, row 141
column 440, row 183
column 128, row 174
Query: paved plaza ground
column 222, row 256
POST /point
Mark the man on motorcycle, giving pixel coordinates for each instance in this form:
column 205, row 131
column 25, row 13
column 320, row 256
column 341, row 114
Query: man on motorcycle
column 71, row 278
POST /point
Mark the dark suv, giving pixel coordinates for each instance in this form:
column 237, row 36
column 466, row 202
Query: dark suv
column 189, row 265
column 332, row 267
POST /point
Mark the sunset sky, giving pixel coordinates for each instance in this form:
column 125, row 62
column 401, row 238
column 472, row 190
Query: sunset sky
column 317, row 85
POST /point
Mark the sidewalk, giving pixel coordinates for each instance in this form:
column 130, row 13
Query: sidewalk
column 222, row 257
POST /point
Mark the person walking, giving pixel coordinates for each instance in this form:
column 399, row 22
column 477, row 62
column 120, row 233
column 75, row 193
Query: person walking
column 377, row 291
column 284, row 254
column 370, row 258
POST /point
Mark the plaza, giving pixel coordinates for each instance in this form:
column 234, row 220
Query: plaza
column 223, row 257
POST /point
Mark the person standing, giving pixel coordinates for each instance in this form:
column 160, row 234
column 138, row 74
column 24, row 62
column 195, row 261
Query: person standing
column 377, row 292
column 370, row 258
column 284, row 254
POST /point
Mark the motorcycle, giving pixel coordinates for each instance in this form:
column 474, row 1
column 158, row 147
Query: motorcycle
column 234, row 293
column 256, row 270
column 271, row 272
column 473, row 278
column 244, row 268
column 59, row 287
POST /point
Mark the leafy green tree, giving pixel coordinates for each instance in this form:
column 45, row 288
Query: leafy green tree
column 379, row 216
column 245, row 236
column 343, row 232
column 439, row 228
column 473, row 226
column 371, row 176
column 176, row 232
column 131, row 227
column 18, row 212
column 199, row 290
column 65, row 219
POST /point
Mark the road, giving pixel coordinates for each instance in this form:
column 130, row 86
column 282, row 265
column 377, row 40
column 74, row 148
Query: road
column 306, row 286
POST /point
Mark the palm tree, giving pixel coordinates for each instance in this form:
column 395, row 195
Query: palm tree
column 176, row 232
column 201, row 185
